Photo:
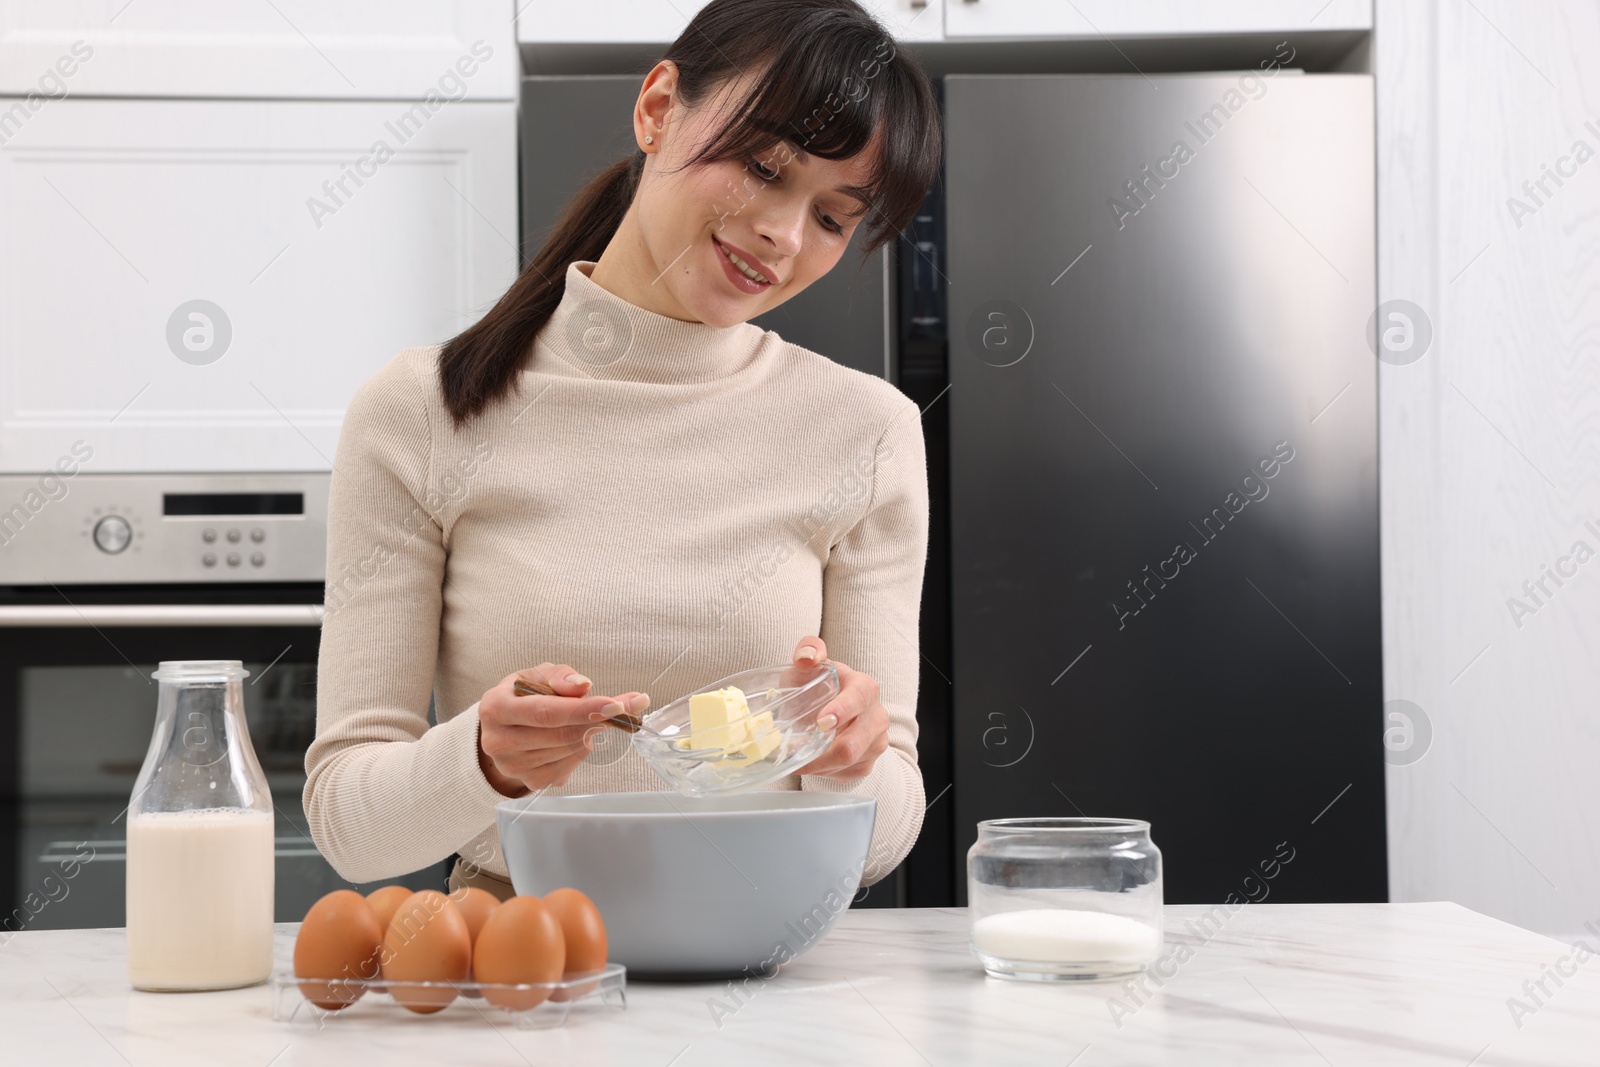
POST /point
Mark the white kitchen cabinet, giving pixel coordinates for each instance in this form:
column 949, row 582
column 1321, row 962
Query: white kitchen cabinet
column 543, row 22
column 317, row 255
column 1148, row 18
column 603, row 22
column 547, row 22
column 909, row 20
column 285, row 49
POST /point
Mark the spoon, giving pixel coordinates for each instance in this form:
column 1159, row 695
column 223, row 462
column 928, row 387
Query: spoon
column 627, row 722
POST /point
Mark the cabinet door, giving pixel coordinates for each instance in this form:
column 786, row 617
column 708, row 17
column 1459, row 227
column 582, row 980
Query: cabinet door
column 286, row 49
column 910, row 20
column 654, row 21
column 231, row 271
column 611, row 22
column 1118, row 18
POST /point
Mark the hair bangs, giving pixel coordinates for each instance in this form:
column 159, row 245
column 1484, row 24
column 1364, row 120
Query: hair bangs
column 834, row 104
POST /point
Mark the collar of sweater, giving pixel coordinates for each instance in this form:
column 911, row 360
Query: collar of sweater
column 594, row 333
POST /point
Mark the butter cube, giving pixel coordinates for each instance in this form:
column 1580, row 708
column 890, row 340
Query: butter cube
column 713, row 718
column 721, row 720
column 761, row 737
column 761, row 725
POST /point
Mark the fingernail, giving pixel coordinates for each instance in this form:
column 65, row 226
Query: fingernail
column 612, row 709
column 598, row 716
column 639, row 702
column 576, row 679
column 827, row 721
column 808, row 653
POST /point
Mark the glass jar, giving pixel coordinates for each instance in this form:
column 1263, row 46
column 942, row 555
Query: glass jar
column 200, row 837
column 1059, row 899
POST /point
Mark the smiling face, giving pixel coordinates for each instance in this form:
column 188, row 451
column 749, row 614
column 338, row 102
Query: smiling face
column 785, row 214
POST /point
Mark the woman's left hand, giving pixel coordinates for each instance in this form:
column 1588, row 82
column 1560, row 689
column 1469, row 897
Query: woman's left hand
column 863, row 733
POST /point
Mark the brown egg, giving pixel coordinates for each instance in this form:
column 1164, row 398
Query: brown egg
column 339, row 938
column 475, row 905
column 521, row 942
column 426, row 942
column 384, row 902
column 585, row 935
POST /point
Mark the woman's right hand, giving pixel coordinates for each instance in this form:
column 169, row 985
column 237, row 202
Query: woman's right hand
column 534, row 742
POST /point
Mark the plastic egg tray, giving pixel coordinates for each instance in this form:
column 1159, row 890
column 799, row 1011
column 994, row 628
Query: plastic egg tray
column 576, row 993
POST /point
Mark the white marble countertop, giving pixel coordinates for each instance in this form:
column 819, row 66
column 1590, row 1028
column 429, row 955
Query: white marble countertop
column 1316, row 984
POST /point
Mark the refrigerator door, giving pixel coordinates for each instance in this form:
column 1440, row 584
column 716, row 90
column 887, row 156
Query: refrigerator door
column 575, row 127
column 1164, row 489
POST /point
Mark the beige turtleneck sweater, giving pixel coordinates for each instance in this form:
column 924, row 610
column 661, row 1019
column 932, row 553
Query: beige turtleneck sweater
column 659, row 521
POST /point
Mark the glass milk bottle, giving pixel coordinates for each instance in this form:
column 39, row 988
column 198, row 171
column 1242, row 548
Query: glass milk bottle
column 200, row 835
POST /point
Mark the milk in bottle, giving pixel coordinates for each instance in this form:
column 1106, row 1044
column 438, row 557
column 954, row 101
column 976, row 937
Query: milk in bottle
column 200, row 837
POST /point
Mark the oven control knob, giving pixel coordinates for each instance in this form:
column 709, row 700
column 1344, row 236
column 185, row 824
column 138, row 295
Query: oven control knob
column 112, row 534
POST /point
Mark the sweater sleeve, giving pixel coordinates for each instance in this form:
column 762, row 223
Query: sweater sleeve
column 871, row 603
column 384, row 793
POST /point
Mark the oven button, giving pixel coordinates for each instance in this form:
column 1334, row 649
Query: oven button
column 208, row 536
column 257, row 559
column 209, row 559
column 233, row 535
column 112, row 534
column 258, row 535
column 233, row 559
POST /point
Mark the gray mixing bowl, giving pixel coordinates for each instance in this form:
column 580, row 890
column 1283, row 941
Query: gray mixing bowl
column 696, row 887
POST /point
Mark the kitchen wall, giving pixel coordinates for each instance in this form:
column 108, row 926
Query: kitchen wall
column 1490, row 453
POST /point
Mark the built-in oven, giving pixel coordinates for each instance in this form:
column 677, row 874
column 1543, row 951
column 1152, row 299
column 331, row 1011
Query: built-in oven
column 178, row 567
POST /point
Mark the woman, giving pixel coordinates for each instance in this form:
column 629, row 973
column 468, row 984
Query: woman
column 618, row 478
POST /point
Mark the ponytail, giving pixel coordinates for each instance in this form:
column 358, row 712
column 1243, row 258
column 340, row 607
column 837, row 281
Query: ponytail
column 481, row 363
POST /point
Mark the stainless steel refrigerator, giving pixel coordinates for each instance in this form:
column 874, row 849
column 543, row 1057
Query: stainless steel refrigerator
column 1163, row 489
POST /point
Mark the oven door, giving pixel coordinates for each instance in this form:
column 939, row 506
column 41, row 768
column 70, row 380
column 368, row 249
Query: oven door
column 77, row 709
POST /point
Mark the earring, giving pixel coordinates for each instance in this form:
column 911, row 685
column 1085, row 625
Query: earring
column 648, row 139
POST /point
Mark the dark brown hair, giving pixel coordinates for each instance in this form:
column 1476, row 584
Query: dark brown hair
column 831, row 82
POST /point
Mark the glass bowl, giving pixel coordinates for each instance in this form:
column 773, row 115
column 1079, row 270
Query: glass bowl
column 695, row 763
